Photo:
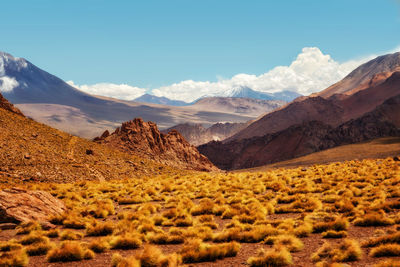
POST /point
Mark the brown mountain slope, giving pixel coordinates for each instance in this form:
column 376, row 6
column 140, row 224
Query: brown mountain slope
column 369, row 74
column 373, row 149
column 305, row 138
column 144, row 139
column 333, row 111
column 33, row 151
column 312, row 108
column 197, row 134
column 4, row 104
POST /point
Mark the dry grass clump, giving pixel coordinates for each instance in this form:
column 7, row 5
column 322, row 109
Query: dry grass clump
column 388, row 263
column 197, row 251
column 53, row 233
column 74, row 222
column 39, row 248
column 118, row 261
column 153, row 257
column 100, row 229
column 347, row 250
column 164, row 238
column 14, row 258
column 100, row 209
column 32, row 238
column 126, row 241
column 373, row 242
column 26, row 228
column 70, row 235
column 339, row 224
column 386, row 250
column 253, row 235
column 9, row 245
column 205, row 206
column 334, row 234
column 373, row 219
column 274, row 258
column 69, row 251
column 99, row 245
column 292, row 243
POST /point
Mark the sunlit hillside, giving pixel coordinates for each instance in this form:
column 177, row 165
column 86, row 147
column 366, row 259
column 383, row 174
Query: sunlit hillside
column 342, row 212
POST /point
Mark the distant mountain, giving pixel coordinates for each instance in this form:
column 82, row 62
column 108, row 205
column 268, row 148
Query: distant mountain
column 50, row 100
column 197, row 134
column 145, row 140
column 305, row 138
column 247, row 92
column 147, row 98
column 372, row 73
column 332, row 111
column 238, row 105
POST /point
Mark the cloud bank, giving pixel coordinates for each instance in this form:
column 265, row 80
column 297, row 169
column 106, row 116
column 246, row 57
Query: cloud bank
column 120, row 91
column 310, row 72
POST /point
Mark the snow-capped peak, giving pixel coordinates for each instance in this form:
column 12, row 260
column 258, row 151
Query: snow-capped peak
column 9, row 63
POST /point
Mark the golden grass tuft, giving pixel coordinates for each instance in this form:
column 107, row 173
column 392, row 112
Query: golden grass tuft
column 386, row 250
column 197, row 251
column 374, row 219
column 99, row 245
column 373, row 242
column 339, row 224
column 292, row 243
column 69, row 251
column 118, row 261
column 388, row 263
column 276, row 257
column 14, row 258
column 100, row 229
column 334, row 234
column 126, row 241
column 347, row 250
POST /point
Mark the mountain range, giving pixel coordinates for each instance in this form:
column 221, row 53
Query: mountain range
column 48, row 99
column 348, row 114
column 237, row 92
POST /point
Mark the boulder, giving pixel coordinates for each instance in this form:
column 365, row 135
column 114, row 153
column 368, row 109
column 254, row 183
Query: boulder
column 19, row 205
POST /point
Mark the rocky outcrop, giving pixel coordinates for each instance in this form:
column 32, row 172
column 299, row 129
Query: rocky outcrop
column 302, row 139
column 4, row 104
column 144, row 139
column 18, row 206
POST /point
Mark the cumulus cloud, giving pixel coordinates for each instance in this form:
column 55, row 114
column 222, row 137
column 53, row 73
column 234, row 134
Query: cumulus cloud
column 310, row 72
column 120, row 91
column 7, row 84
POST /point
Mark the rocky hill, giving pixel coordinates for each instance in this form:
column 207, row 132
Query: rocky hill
column 302, row 139
column 31, row 151
column 145, row 140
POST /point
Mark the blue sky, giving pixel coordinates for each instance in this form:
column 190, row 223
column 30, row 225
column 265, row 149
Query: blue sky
column 149, row 44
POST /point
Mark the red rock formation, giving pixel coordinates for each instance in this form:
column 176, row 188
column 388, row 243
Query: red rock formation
column 144, row 139
column 18, row 205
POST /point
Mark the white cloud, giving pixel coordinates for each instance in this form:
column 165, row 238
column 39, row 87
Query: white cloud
column 310, row 72
column 7, row 84
column 120, row 91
